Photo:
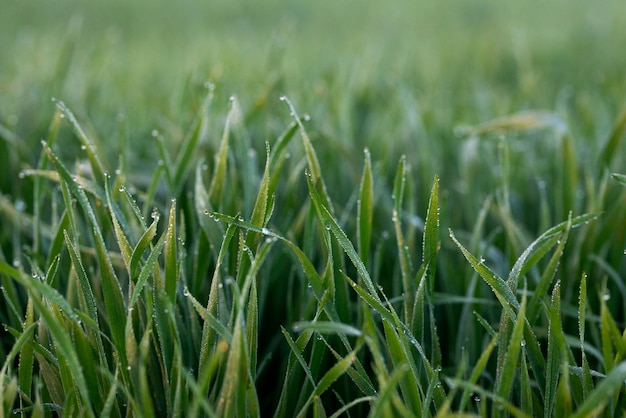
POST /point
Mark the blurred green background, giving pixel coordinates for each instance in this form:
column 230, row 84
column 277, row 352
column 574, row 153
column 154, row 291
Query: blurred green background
column 475, row 58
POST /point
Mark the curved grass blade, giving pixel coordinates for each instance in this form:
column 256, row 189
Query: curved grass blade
column 500, row 288
column 602, row 394
column 327, row 219
column 90, row 149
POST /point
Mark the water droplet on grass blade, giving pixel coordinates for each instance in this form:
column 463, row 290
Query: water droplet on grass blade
column 265, row 231
column 154, row 133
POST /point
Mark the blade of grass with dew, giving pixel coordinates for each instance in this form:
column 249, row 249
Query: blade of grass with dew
column 330, row 223
column 42, row 164
column 548, row 273
column 620, row 178
column 190, row 146
column 404, row 258
column 144, row 242
column 608, row 329
column 587, row 381
column 417, row 324
column 365, row 208
column 313, row 162
column 259, row 211
column 500, row 288
column 598, row 399
column 511, row 360
column 212, row 229
column 555, row 347
column 430, row 245
column 538, row 248
column 218, row 181
column 92, row 153
column 122, row 240
column 171, row 256
column 26, row 355
column 526, row 394
column 209, row 340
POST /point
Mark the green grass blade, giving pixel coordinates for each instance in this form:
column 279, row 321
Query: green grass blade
column 582, row 306
column 144, row 242
column 86, row 144
column 329, row 222
column 500, row 288
column 548, row 274
column 171, row 256
column 365, row 208
column 555, row 349
column 430, row 244
column 218, row 181
column 620, row 178
column 122, row 240
column 601, row 395
column 511, row 360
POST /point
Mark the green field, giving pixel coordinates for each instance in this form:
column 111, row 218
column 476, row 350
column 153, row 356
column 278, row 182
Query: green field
column 315, row 209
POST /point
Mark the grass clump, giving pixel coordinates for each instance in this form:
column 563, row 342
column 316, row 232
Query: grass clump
column 378, row 256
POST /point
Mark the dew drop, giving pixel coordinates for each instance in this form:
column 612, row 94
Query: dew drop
column 606, row 296
column 21, row 175
column 154, row 133
column 83, row 147
column 185, row 291
column 265, row 231
column 20, row 205
column 62, row 115
column 122, row 189
column 282, row 98
column 16, row 263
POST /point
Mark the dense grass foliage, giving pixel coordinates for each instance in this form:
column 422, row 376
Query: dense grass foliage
column 312, row 209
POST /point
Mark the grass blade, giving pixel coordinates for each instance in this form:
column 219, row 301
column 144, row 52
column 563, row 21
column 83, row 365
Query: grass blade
column 365, row 208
